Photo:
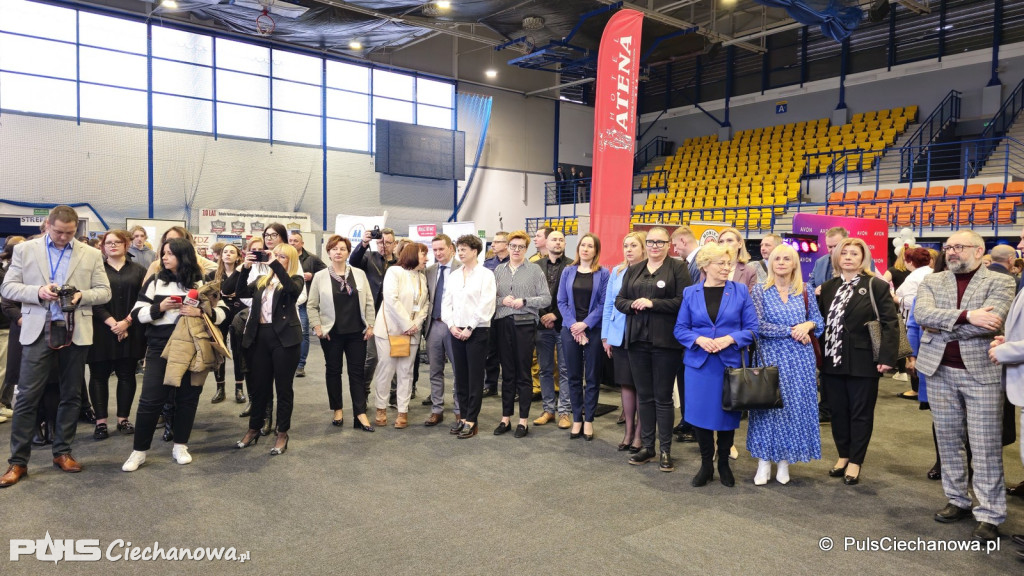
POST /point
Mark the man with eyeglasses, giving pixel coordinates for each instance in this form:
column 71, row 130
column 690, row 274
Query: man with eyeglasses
column 492, row 366
column 311, row 264
column 962, row 309
column 52, row 335
column 375, row 264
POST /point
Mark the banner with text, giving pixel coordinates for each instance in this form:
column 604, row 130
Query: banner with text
column 611, row 191
column 875, row 233
column 246, row 223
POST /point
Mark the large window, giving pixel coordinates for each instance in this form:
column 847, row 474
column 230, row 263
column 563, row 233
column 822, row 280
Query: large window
column 63, row 62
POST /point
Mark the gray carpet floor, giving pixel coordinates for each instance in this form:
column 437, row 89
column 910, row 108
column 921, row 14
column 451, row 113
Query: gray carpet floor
column 418, row 501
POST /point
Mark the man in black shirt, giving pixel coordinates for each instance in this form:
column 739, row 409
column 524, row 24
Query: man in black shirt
column 310, row 265
column 549, row 341
column 375, row 264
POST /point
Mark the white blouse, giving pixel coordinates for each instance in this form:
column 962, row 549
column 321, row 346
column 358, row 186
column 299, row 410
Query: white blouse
column 469, row 298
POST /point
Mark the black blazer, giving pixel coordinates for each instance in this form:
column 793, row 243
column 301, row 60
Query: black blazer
column 666, row 299
column 286, row 316
column 858, row 359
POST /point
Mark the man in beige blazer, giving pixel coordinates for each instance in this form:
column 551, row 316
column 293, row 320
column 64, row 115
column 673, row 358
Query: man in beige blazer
column 51, row 338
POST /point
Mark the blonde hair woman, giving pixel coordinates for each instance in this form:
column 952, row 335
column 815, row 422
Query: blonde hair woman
column 613, row 329
column 716, row 323
column 272, row 339
column 849, row 372
column 788, row 318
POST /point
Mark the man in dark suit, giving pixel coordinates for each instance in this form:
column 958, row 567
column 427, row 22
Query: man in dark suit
column 438, row 337
column 375, row 264
column 51, row 335
column 1002, row 257
column 961, row 310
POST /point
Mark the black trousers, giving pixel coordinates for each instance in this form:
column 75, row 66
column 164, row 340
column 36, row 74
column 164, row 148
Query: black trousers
column 515, row 351
column 468, row 365
column 185, row 399
column 681, row 389
column 654, row 370
column 99, row 385
column 271, row 367
column 341, row 347
column 852, row 400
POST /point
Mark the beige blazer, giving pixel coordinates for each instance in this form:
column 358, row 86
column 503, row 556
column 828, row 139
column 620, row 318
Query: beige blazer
column 28, row 274
column 405, row 302
column 320, row 305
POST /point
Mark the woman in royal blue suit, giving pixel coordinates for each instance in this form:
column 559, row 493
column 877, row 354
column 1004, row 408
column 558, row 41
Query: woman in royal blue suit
column 581, row 303
column 716, row 322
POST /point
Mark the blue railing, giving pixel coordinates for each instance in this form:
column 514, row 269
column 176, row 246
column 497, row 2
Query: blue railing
column 653, row 149
column 1000, row 124
column 932, row 128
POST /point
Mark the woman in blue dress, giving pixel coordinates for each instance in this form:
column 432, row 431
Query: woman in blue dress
column 788, row 317
column 716, row 322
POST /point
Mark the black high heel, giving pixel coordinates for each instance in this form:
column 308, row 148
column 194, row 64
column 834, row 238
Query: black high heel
column 243, row 443
column 837, row 472
column 364, row 427
column 268, row 421
column 575, row 435
column 275, row 451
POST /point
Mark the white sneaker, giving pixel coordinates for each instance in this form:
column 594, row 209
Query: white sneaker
column 3, row 419
column 134, row 461
column 180, row 454
column 783, row 473
column 5, row 411
column 733, row 453
column 764, row 472
column 901, row 376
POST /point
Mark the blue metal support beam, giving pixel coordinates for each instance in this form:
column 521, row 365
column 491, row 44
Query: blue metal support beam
column 997, row 38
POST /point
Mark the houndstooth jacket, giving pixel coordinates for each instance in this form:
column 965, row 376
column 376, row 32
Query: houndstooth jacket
column 936, row 311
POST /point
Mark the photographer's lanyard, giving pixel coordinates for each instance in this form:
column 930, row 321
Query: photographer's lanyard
column 70, row 325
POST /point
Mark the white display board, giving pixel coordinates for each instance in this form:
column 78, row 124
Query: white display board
column 352, row 227
column 246, row 223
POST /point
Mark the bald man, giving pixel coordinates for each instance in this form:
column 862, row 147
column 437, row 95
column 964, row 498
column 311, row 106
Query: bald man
column 1002, row 256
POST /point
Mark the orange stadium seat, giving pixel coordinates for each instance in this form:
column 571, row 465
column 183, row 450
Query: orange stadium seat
column 994, row 189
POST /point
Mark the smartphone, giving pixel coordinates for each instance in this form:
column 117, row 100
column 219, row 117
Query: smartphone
column 262, row 255
column 175, row 299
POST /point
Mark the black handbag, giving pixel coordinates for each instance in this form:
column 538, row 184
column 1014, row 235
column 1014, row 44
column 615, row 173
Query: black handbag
column 751, row 388
column 875, row 331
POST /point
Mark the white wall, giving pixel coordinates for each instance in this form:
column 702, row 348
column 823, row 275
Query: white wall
column 576, row 135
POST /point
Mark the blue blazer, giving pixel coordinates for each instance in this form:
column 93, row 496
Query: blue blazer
column 737, row 317
column 567, row 304
column 613, row 324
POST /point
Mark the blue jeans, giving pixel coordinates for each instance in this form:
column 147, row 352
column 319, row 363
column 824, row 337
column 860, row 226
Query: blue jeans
column 304, row 322
column 548, row 341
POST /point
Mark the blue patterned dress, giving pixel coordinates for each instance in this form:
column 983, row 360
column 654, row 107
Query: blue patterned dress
column 791, row 433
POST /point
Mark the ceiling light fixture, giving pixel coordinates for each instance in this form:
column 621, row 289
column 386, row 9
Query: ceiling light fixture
column 443, row 4
column 491, row 72
column 169, row 5
column 355, row 45
column 533, row 23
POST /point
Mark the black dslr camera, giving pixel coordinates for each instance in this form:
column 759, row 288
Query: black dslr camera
column 66, row 296
column 376, row 234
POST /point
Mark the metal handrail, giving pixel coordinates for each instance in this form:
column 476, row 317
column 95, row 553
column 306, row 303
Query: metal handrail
column 945, row 114
column 644, row 155
column 1001, row 122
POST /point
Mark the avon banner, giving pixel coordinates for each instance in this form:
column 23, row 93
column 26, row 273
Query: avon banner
column 614, row 129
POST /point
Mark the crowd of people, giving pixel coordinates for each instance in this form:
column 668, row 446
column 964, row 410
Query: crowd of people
column 665, row 323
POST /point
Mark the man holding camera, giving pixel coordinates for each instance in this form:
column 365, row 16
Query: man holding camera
column 375, row 264
column 58, row 280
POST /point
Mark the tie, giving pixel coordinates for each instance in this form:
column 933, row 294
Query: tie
column 438, row 292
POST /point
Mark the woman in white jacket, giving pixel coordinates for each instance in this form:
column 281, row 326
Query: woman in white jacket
column 402, row 312
column 340, row 308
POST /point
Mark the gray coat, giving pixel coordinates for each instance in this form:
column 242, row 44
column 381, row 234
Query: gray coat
column 1011, row 353
column 936, row 311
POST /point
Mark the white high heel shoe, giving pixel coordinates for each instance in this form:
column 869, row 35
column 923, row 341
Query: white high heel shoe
column 782, row 475
column 764, row 472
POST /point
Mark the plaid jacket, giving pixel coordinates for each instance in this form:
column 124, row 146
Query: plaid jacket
column 936, row 311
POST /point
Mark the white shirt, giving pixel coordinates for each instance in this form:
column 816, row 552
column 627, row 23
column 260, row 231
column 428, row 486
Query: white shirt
column 907, row 291
column 468, row 300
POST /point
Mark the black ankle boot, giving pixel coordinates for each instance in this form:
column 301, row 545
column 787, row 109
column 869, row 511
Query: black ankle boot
column 704, row 475
column 268, row 422
column 724, row 472
column 218, row 397
column 239, row 395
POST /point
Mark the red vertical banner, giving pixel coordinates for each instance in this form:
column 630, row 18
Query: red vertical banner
column 611, row 192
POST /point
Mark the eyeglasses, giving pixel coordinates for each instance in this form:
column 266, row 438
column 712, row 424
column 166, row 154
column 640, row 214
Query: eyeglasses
column 113, row 243
column 517, row 247
column 281, row 256
column 957, row 248
column 271, row 235
column 656, row 243
column 723, row 264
